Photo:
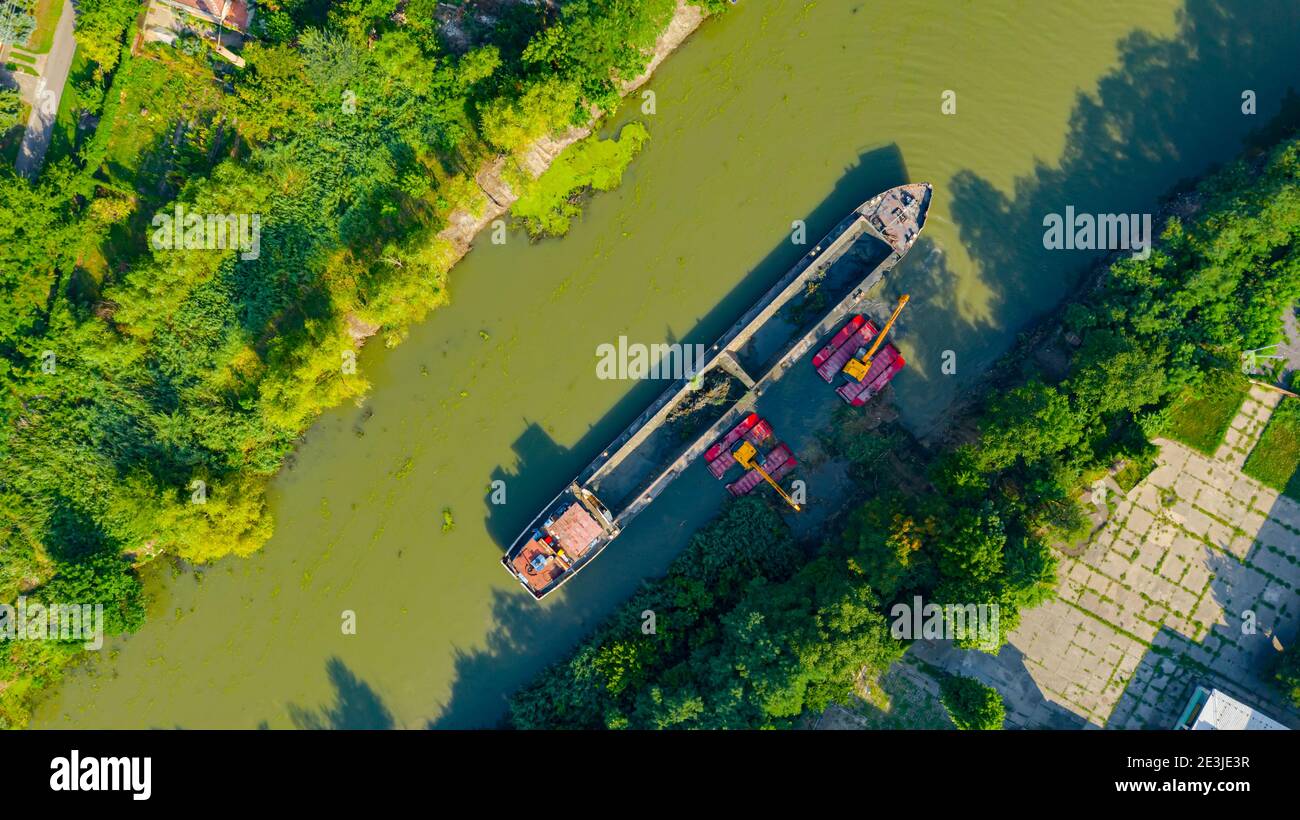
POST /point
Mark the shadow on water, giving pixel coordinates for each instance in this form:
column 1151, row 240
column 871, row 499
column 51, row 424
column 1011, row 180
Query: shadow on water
column 485, row 678
column 1166, row 115
column 932, row 288
column 539, row 455
column 523, row 638
column 356, row 705
column 1171, row 108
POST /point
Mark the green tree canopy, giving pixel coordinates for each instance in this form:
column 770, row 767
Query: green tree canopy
column 971, row 704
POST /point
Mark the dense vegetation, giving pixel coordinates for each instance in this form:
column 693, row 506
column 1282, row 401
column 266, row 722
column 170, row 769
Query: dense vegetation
column 776, row 639
column 745, row 633
column 147, row 396
column 971, row 704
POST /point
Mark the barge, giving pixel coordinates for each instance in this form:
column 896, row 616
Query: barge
column 635, row 468
column 851, row 342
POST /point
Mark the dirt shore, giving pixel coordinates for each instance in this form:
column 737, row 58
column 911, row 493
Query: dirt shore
column 497, row 195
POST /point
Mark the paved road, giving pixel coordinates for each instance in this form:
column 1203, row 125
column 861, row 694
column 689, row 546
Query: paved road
column 1290, row 345
column 49, row 89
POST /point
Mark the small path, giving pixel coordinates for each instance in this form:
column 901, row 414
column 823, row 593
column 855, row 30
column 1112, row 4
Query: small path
column 1244, row 431
column 1155, row 607
column 46, row 96
column 1289, row 347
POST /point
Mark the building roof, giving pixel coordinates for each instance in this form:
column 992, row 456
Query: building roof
column 1223, row 712
column 236, row 11
column 576, row 530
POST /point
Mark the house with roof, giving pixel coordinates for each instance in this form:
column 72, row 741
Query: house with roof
column 223, row 23
column 233, row 15
column 1212, row 709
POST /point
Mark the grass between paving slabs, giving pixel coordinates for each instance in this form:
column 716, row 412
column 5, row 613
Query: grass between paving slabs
column 1200, row 417
column 897, row 700
column 1274, row 460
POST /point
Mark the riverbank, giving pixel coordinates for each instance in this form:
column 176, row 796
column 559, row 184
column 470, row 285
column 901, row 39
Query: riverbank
column 699, row 229
column 494, row 192
column 346, row 258
column 797, row 630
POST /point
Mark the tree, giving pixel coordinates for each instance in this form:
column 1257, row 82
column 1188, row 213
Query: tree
column 512, row 124
column 100, row 25
column 795, row 647
column 971, row 704
column 1113, row 373
column 16, row 22
column 270, row 98
column 885, row 544
column 11, row 106
column 1028, row 422
column 331, row 58
column 1287, row 674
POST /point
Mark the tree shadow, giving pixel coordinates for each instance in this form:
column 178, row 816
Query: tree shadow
column 486, row 677
column 1169, row 111
column 72, row 535
column 1007, row 672
column 356, row 705
column 1149, row 126
column 543, row 465
column 1256, row 616
column 1153, row 123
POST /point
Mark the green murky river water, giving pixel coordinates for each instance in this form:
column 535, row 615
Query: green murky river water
column 780, row 111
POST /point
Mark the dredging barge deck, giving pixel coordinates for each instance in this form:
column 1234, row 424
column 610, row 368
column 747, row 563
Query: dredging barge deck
column 576, row 526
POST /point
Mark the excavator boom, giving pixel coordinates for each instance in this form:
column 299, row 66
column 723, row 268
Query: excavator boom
column 745, row 457
column 858, row 368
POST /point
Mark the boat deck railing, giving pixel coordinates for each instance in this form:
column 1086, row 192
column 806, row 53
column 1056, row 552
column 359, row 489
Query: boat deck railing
column 745, row 404
column 723, row 354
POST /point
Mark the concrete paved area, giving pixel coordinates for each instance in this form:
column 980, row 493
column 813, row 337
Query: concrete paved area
column 1193, row 580
column 1244, row 431
column 45, row 96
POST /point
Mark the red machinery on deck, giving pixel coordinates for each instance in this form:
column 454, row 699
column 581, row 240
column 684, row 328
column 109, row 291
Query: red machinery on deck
column 752, row 434
column 843, row 347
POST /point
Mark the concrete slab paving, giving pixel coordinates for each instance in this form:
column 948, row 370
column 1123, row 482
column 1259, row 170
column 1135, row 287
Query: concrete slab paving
column 1160, row 601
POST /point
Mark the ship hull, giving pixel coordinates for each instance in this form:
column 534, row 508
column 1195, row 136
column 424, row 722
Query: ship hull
column 894, row 217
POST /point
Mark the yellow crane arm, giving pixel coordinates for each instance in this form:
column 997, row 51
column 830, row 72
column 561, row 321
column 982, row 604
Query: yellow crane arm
column 745, row 457
column 858, row 368
column 777, row 487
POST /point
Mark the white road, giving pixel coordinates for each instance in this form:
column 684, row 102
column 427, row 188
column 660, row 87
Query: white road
column 49, row 89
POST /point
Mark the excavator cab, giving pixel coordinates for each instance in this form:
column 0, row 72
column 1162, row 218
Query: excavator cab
column 858, row 367
column 746, row 456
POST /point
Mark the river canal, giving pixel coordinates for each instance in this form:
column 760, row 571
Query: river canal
column 780, row 111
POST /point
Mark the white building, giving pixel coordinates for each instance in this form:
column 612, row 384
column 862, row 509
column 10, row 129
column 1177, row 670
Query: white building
column 1212, row 709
